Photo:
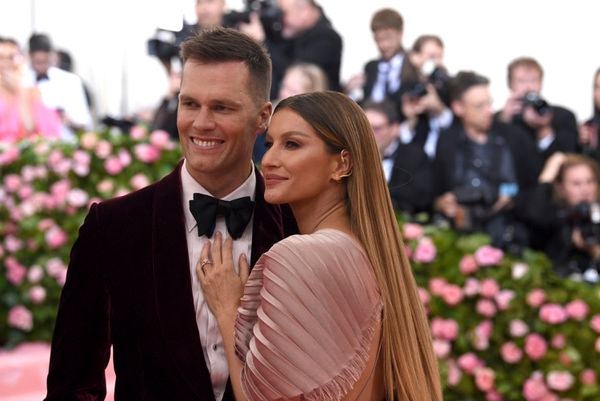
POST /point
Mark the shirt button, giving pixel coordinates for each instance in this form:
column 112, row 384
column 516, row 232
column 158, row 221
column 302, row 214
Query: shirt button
column 214, row 347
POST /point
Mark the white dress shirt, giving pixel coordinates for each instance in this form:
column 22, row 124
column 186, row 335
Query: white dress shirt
column 388, row 77
column 210, row 337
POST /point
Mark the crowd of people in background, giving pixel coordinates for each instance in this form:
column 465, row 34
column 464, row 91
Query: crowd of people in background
column 526, row 174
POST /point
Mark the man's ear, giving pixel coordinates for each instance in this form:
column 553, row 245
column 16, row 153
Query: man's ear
column 457, row 108
column 264, row 116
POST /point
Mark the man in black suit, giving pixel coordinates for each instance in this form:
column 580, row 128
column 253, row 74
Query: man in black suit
column 553, row 128
column 131, row 281
column 481, row 166
column 389, row 76
column 406, row 167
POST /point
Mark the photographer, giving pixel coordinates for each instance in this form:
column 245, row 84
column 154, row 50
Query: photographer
column 305, row 35
column 553, row 128
column 588, row 131
column 563, row 215
column 480, row 166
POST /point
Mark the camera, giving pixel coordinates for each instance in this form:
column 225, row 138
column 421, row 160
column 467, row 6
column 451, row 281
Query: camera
column 163, row 45
column 271, row 17
column 536, row 102
column 586, row 217
column 434, row 75
column 477, row 203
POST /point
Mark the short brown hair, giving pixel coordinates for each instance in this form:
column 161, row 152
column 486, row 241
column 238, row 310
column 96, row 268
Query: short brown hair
column 463, row 81
column 525, row 62
column 421, row 40
column 387, row 18
column 219, row 45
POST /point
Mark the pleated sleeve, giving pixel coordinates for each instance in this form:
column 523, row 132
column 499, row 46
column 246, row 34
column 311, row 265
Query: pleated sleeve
column 309, row 311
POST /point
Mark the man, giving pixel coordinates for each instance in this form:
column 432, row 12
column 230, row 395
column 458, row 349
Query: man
column 131, row 281
column 553, row 128
column 389, row 76
column 406, row 167
column 307, row 36
column 480, row 167
column 60, row 90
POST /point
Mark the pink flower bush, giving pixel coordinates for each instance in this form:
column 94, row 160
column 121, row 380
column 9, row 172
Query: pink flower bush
column 425, row 251
column 536, row 297
column 484, row 379
column 560, row 380
column 20, row 318
column 511, row 353
column 412, row 231
column 535, row 346
column 553, row 314
column 577, row 309
column 468, row 265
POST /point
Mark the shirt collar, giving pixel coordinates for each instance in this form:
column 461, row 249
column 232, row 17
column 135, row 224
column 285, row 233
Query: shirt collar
column 191, row 186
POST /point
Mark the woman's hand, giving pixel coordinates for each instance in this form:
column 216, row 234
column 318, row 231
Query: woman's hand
column 221, row 286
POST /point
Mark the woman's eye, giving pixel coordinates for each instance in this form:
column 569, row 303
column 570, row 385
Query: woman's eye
column 268, row 145
column 291, row 145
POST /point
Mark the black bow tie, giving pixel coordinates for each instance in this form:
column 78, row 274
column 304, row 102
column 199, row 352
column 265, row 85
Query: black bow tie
column 237, row 213
column 41, row 77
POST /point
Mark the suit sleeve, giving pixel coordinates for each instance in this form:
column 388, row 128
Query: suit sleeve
column 81, row 340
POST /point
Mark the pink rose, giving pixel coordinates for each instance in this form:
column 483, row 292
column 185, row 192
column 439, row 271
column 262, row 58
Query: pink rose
column 489, row 288
column 412, row 231
column 558, row 341
column 105, row 186
column 437, row 286
column 553, row 314
column 124, row 157
column 139, row 181
column 12, row 244
column 454, row 373
column 510, row 352
column 471, row 287
column 103, row 149
column 588, row 377
column 37, row 294
column 12, row 182
column 484, row 379
column 534, row 389
column 493, row 395
column 20, row 318
column 503, row 299
column 160, row 139
column 595, row 323
column 469, row 362
column 25, row 191
column 486, row 308
column 138, row 133
column 89, row 140
column 425, row 251
column 15, row 273
column 452, row 294
column 113, row 165
column 536, row 297
column 55, row 266
column 441, row 348
column 445, row 329
column 77, row 197
column 60, row 190
column 577, row 309
column 35, row 274
column 146, row 153
column 483, row 332
column 535, row 346
column 560, row 380
column 81, row 157
column 468, row 265
column 488, row 256
column 55, row 157
column 55, row 237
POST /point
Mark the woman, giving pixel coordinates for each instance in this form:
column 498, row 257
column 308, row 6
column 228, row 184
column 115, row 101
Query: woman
column 333, row 313
column 22, row 113
column 563, row 214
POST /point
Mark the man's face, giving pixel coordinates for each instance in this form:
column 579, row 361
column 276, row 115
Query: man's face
column 294, row 17
column 475, row 108
column 388, row 41
column 431, row 50
column 525, row 79
column 597, row 91
column 210, row 12
column 218, row 121
column 384, row 131
column 40, row 62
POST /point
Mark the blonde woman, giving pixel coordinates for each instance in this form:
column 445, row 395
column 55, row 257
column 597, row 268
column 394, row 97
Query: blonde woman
column 332, row 313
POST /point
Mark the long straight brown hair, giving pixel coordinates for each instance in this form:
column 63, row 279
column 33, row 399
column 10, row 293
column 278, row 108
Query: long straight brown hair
column 409, row 364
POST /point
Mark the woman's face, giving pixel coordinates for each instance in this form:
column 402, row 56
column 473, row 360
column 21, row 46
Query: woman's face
column 297, row 167
column 579, row 185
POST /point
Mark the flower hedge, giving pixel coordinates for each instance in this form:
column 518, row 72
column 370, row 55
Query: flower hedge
column 504, row 328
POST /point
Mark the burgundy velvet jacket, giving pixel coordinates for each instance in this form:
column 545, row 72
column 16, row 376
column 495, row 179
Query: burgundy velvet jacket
column 128, row 285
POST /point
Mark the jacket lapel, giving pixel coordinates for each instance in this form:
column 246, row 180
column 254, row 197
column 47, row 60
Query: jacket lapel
column 174, row 301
